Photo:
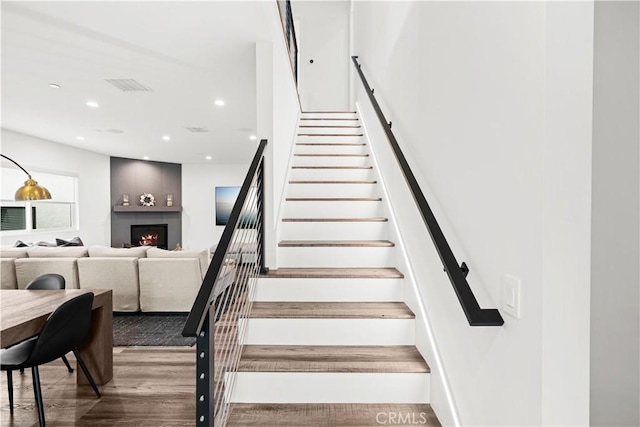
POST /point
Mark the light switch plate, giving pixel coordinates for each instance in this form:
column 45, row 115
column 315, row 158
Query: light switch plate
column 511, row 295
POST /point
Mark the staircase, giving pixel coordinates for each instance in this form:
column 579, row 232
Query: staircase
column 329, row 341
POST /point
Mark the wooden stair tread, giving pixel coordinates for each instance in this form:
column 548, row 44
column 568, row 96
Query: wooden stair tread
column 359, row 144
column 330, row 310
column 330, row 126
column 335, row 219
column 329, row 118
column 328, row 414
column 333, row 182
column 332, row 167
column 335, row 273
column 330, row 134
column 336, row 243
column 333, row 199
column 330, row 155
column 332, row 358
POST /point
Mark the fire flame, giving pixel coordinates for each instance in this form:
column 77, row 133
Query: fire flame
column 149, row 239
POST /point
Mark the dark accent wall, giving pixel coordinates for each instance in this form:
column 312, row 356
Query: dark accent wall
column 135, row 177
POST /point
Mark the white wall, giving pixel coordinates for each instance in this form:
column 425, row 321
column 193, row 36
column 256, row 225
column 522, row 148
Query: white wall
column 92, row 169
column 199, row 229
column 277, row 119
column 465, row 85
column 323, row 36
column 615, row 311
column 566, row 213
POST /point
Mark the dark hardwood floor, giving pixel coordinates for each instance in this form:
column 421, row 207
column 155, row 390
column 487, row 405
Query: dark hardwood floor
column 152, row 386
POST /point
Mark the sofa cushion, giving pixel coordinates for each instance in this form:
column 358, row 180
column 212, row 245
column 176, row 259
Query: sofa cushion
column 28, row 269
column 63, row 252
column 13, row 253
column 169, row 284
column 8, row 274
column 101, row 251
column 202, row 256
column 119, row 274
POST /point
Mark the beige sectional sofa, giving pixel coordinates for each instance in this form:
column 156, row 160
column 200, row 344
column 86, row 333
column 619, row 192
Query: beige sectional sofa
column 142, row 278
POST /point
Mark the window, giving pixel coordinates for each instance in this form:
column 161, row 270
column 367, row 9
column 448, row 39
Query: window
column 59, row 213
column 13, row 218
column 51, row 215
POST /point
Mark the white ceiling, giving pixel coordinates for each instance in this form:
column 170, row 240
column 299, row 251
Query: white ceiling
column 188, row 53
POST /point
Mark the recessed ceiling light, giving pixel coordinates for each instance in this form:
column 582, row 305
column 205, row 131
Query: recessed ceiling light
column 54, row 86
column 208, row 157
column 80, row 138
column 166, row 137
column 253, row 137
column 219, row 102
column 145, row 158
column 92, row 104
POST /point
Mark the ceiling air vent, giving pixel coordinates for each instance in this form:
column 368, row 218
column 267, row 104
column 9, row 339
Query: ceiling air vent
column 128, row 85
column 196, row 129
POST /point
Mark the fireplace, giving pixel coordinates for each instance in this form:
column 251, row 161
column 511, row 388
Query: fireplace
column 149, row 235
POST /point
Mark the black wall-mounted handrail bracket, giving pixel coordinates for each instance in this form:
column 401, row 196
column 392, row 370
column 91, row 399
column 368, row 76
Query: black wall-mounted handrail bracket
column 456, row 272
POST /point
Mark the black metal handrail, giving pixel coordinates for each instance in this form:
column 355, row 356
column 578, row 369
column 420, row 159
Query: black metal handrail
column 200, row 308
column 457, row 273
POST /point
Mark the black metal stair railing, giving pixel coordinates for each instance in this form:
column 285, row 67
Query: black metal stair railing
column 286, row 16
column 456, row 272
column 224, row 299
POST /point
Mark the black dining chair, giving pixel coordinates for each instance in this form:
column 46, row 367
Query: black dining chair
column 49, row 282
column 64, row 330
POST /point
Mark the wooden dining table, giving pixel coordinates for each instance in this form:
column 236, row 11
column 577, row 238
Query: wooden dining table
column 23, row 314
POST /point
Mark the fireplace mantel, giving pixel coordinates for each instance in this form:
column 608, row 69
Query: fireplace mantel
column 150, row 209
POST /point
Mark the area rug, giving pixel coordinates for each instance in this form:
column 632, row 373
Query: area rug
column 142, row 329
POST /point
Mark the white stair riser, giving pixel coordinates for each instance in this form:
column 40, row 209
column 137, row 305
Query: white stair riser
column 331, row 149
column 334, row 231
column 333, row 190
column 332, row 161
column 332, row 175
column 331, row 209
column 335, row 139
column 327, row 122
column 330, row 130
column 330, row 290
column 291, row 331
column 331, row 387
column 347, row 115
column 336, row 257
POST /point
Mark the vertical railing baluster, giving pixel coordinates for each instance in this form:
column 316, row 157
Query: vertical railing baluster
column 205, row 350
column 260, row 197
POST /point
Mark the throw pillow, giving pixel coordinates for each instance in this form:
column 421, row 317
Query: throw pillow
column 20, row 244
column 72, row 242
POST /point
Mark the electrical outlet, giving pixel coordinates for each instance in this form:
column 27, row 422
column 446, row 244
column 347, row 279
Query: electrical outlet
column 511, row 295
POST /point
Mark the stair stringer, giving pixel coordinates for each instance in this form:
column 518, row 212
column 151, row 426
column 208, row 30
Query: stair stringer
column 441, row 398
